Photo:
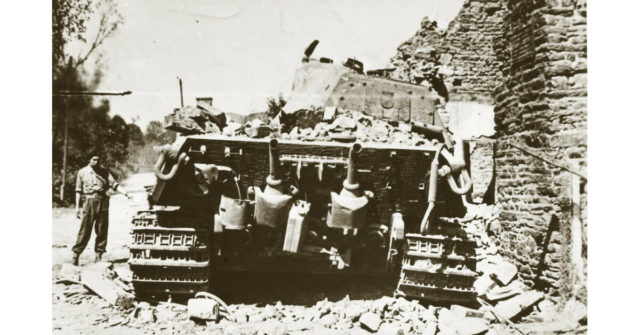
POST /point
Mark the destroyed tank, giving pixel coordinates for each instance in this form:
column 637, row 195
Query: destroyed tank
column 357, row 174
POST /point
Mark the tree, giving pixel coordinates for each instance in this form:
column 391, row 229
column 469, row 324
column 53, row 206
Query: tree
column 80, row 127
column 156, row 134
column 69, row 22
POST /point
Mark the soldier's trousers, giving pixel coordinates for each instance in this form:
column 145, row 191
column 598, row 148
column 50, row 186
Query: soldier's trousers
column 94, row 210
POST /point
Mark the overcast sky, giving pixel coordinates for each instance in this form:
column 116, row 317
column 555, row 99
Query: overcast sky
column 242, row 51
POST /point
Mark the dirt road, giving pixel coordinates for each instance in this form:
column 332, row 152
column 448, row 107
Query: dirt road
column 81, row 318
column 66, row 225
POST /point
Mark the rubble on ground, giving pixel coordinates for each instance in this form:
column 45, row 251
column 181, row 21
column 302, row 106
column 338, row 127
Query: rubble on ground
column 505, row 305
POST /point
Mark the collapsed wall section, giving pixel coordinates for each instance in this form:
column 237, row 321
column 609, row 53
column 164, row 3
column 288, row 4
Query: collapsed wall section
column 525, row 61
column 462, row 56
column 540, row 110
column 461, row 64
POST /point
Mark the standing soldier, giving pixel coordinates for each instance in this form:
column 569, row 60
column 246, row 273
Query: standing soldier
column 92, row 183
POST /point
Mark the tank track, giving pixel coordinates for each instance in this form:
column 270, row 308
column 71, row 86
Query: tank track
column 170, row 253
column 438, row 267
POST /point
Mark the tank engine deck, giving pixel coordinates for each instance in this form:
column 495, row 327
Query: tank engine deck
column 240, row 204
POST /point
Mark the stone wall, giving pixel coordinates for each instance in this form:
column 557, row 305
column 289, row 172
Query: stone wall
column 527, row 59
column 461, row 64
column 541, row 107
column 462, row 56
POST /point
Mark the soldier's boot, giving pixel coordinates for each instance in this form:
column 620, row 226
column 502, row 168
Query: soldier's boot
column 98, row 256
column 75, row 259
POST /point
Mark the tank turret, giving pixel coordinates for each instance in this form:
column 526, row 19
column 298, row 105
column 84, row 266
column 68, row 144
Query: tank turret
column 320, row 84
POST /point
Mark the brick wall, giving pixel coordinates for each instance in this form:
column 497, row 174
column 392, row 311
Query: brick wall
column 541, row 106
column 527, row 59
column 462, row 55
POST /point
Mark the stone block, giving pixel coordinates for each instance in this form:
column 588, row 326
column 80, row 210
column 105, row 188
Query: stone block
column 516, row 305
column 430, row 329
column 452, row 322
column 370, row 321
column 70, row 272
column 483, row 284
column 97, row 281
column 389, row 328
column 504, row 292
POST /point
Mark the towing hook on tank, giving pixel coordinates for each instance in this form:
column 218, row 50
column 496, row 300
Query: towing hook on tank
column 456, row 163
column 183, row 159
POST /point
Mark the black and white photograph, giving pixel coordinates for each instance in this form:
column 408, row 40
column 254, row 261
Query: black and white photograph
column 317, row 167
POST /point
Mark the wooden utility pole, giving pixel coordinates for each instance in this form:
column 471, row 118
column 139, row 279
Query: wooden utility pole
column 64, row 149
column 181, row 99
column 66, row 114
column 66, row 132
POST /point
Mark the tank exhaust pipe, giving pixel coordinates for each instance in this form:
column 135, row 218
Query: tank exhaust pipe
column 349, row 208
column 351, row 182
column 274, row 164
column 273, row 203
column 433, row 188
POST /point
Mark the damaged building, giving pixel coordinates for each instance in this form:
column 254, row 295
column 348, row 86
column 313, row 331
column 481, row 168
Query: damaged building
column 515, row 76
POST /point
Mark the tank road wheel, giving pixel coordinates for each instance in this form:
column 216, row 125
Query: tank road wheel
column 170, row 253
column 438, row 268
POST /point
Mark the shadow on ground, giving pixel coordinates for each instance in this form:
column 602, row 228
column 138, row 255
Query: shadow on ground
column 298, row 289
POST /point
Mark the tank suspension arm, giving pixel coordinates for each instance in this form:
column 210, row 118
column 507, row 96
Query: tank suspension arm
column 356, row 148
column 433, row 189
column 182, row 159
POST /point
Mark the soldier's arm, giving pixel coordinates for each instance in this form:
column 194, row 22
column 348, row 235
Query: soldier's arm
column 116, row 186
column 78, row 193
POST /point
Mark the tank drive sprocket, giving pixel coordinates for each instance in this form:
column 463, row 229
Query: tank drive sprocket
column 438, row 266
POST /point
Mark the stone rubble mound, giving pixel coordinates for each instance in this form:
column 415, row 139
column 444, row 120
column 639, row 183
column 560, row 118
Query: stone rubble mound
column 504, row 304
column 343, row 126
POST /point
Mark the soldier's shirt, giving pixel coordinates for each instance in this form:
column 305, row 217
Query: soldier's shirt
column 91, row 181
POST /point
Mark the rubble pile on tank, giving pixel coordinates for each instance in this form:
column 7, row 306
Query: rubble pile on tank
column 327, row 125
column 351, row 125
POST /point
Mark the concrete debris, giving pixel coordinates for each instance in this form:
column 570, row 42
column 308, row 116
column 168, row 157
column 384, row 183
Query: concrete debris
column 70, row 272
column 548, row 327
column 147, row 316
column 389, row 328
column 483, row 284
column 203, row 309
column 513, row 307
column 124, row 274
column 454, row 322
column 384, row 315
column 496, row 293
column 504, row 272
column 103, row 266
column 99, row 282
column 574, row 311
column 465, row 311
column 370, row 321
column 431, row 329
column 329, row 320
